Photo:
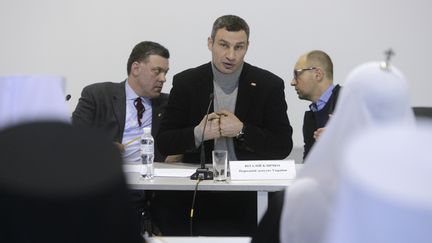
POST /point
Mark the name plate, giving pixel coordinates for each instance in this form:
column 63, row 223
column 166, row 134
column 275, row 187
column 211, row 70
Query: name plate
column 262, row 169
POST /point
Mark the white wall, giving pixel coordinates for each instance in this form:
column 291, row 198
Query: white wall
column 89, row 41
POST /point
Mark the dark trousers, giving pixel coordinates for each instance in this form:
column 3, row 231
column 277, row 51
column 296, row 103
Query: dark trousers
column 268, row 228
column 216, row 213
column 140, row 202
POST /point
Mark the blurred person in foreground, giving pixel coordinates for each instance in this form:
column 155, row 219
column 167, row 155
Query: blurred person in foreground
column 385, row 197
column 58, row 183
column 374, row 96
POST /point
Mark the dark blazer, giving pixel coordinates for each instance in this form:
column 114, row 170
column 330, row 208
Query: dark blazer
column 310, row 123
column 260, row 105
column 269, row 226
column 89, row 197
column 103, row 106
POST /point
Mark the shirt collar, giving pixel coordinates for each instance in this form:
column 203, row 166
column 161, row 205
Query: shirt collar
column 131, row 95
column 322, row 101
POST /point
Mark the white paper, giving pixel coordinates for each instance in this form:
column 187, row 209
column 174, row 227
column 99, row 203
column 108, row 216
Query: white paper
column 174, row 172
column 161, row 172
column 131, row 168
column 262, row 170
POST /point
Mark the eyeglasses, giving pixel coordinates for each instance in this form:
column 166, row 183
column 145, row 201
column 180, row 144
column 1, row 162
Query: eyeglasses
column 298, row 72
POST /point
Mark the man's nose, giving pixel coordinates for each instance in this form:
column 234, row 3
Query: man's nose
column 231, row 54
column 162, row 77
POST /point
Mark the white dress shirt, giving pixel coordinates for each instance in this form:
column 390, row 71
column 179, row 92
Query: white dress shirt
column 132, row 131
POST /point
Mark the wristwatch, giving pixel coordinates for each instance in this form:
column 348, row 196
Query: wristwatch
column 240, row 135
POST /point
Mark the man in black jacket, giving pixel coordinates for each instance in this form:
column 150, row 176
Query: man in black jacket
column 122, row 110
column 313, row 81
column 248, row 118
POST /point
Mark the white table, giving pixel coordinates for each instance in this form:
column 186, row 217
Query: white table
column 262, row 187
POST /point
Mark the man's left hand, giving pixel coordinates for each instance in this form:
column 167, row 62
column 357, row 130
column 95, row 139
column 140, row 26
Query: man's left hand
column 318, row 132
column 230, row 125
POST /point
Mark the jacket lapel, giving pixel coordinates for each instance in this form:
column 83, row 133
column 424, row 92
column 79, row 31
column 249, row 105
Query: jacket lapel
column 246, row 90
column 157, row 112
column 119, row 105
column 205, row 86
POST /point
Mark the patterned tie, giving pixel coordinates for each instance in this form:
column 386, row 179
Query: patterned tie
column 140, row 109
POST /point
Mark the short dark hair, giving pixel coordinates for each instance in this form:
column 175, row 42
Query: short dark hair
column 321, row 59
column 231, row 23
column 143, row 50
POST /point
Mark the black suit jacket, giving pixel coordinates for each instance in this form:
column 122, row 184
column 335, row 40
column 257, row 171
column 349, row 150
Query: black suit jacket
column 103, row 106
column 73, row 180
column 260, row 105
column 310, row 123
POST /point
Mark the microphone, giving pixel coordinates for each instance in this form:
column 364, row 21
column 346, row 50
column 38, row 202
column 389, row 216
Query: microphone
column 68, row 97
column 204, row 173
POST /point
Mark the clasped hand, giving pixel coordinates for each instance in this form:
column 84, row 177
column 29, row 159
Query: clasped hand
column 222, row 123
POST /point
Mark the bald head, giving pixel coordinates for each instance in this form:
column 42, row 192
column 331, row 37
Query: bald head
column 320, row 59
column 313, row 74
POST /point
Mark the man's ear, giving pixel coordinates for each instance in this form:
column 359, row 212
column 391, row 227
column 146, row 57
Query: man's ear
column 319, row 74
column 135, row 68
column 210, row 43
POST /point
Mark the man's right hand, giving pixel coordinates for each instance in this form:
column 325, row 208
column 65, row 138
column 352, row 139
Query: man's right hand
column 212, row 129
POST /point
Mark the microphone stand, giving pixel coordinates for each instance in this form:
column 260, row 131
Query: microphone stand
column 203, row 172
